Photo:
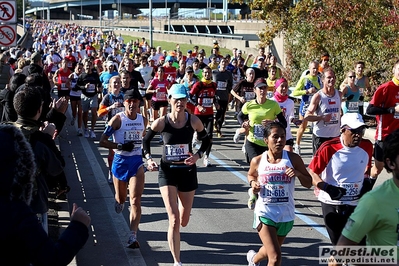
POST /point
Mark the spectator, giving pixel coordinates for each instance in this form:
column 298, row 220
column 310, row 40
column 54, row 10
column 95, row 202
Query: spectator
column 28, row 105
column 21, row 231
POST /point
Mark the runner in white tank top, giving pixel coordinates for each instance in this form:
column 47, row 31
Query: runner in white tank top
column 324, row 109
column 127, row 129
column 272, row 176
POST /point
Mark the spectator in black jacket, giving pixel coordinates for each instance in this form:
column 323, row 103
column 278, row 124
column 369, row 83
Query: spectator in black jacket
column 53, row 112
column 7, row 96
column 19, row 229
column 28, row 104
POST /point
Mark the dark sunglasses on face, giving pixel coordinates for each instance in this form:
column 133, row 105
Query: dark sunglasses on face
column 358, row 131
column 352, row 77
column 130, row 101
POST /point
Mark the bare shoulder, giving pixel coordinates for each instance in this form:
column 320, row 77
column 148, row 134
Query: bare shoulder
column 158, row 124
column 196, row 123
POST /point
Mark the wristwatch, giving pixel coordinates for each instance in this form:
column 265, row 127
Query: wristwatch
column 119, row 146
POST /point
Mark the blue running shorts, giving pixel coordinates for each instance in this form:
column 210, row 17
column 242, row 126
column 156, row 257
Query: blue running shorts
column 125, row 167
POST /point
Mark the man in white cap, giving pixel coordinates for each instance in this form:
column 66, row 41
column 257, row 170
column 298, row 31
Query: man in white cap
column 340, row 169
column 376, row 215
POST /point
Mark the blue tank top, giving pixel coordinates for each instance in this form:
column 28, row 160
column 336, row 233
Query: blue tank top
column 352, row 105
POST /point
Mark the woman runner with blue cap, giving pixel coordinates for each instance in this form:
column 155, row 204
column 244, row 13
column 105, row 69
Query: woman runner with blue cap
column 177, row 170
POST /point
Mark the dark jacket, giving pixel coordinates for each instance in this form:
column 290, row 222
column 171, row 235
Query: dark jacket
column 48, row 159
column 24, row 241
column 6, row 100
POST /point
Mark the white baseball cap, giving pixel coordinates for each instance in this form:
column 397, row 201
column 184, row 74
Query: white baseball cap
column 352, row 120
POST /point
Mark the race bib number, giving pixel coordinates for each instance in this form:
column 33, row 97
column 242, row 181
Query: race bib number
column 64, row 87
column 91, row 88
column 352, row 191
column 132, row 135
column 249, row 95
column 176, row 152
column 118, row 110
column 353, row 107
column 161, row 96
column 334, row 119
column 207, row 102
column 276, row 194
column 222, row 85
column 258, row 131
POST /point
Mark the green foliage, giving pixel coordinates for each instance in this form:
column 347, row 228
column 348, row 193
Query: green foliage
column 19, row 4
column 349, row 30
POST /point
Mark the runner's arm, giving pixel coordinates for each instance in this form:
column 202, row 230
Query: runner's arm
column 282, row 119
column 113, row 125
column 374, row 110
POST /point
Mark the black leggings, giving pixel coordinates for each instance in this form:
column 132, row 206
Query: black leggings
column 335, row 218
column 207, row 121
column 220, row 114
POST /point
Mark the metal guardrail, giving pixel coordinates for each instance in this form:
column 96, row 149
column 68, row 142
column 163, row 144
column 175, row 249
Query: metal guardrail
column 220, row 36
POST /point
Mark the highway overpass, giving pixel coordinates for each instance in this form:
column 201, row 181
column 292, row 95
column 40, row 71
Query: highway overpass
column 61, row 9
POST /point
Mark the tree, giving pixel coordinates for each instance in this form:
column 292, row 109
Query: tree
column 349, row 30
column 19, row 4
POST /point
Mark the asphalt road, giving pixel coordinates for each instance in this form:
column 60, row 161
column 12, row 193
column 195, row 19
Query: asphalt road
column 220, row 229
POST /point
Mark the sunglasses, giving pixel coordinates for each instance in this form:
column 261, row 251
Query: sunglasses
column 352, row 77
column 358, row 131
column 130, row 101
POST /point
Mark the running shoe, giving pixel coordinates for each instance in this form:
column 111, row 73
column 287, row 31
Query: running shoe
column 92, row 134
column 252, row 199
column 177, row 264
column 119, row 207
column 80, row 132
column 160, row 139
column 207, row 162
column 297, row 149
column 250, row 258
column 87, row 134
column 132, row 242
column 219, row 134
column 236, row 137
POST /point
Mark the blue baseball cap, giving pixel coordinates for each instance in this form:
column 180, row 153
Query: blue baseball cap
column 177, row 91
column 169, row 58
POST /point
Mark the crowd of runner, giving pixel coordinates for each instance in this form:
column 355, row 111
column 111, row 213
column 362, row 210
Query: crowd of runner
column 184, row 96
